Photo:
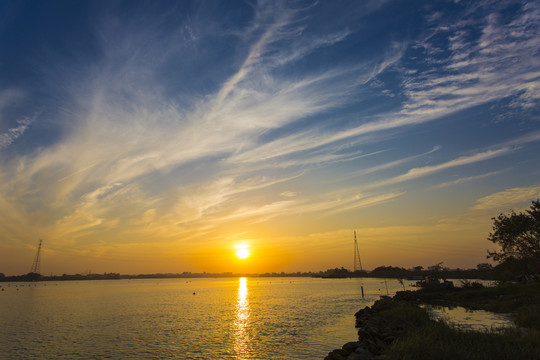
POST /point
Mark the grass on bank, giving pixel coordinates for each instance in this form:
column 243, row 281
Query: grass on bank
column 522, row 300
column 437, row 340
column 401, row 314
column 425, row 338
column 528, row 316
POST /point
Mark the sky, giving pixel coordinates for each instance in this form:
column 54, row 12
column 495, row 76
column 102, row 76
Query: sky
column 164, row 136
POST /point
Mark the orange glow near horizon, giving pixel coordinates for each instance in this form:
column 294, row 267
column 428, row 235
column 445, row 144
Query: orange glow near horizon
column 267, row 251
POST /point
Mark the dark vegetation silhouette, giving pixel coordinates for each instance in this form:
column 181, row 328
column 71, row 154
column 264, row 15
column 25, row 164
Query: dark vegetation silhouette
column 518, row 235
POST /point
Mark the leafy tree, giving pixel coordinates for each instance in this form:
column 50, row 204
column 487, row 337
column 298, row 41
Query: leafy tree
column 437, row 267
column 389, row 272
column 484, row 267
column 518, row 236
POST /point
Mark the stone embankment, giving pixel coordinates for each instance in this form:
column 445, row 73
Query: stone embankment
column 378, row 327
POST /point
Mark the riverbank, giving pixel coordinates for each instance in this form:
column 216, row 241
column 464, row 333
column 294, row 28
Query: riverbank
column 520, row 300
column 398, row 328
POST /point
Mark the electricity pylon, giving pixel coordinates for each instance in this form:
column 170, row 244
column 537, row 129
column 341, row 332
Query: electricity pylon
column 357, row 261
column 37, row 260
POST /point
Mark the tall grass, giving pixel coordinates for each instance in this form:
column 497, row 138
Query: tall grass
column 424, row 339
column 401, row 313
column 437, row 340
column 528, row 316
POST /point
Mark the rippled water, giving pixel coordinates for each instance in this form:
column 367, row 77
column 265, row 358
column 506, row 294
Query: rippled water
column 253, row 318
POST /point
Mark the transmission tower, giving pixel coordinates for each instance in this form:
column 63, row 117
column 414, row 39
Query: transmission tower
column 37, row 260
column 357, row 261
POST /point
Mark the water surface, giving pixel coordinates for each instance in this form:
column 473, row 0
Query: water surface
column 253, row 318
column 467, row 319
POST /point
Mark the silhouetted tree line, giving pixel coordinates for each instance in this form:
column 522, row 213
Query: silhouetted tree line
column 482, row 271
column 518, row 235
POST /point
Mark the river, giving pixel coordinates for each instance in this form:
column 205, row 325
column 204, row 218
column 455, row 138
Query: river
column 233, row 318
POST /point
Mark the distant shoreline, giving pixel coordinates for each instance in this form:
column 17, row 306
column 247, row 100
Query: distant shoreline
column 329, row 274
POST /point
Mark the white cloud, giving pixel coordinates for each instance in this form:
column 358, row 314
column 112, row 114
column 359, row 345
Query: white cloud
column 503, row 200
column 522, row 140
column 466, row 179
column 394, row 163
column 500, row 63
column 13, row 133
column 8, row 98
column 326, row 204
column 289, row 194
column 428, row 170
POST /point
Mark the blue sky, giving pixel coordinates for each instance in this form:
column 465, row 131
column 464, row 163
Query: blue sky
column 158, row 136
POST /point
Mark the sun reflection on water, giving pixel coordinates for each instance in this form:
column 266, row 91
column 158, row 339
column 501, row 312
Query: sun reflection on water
column 241, row 322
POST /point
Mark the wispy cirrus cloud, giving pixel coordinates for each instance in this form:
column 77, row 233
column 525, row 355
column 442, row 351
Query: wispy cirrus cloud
column 507, row 198
column 325, row 205
column 13, row 133
column 416, row 173
column 138, row 133
column 15, row 127
column 394, row 163
column 472, row 70
column 466, row 179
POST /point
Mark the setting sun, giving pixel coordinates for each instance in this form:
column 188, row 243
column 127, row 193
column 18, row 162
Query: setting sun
column 242, row 251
